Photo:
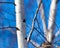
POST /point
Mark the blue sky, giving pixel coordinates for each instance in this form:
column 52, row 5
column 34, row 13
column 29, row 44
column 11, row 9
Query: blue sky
column 8, row 38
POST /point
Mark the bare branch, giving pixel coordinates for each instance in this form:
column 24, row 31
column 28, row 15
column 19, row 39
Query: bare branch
column 28, row 38
column 57, row 46
column 7, row 3
column 52, row 18
column 34, row 43
column 41, row 35
column 43, row 18
column 37, row 45
column 45, row 40
column 57, row 33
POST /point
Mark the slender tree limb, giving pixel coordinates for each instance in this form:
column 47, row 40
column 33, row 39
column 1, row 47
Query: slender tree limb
column 28, row 38
column 43, row 18
column 57, row 46
column 45, row 40
column 52, row 18
column 57, row 41
column 41, row 34
column 57, row 33
column 34, row 43
column 10, row 29
column 7, row 3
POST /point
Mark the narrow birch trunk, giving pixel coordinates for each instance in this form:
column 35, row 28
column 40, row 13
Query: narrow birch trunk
column 20, row 24
column 51, row 20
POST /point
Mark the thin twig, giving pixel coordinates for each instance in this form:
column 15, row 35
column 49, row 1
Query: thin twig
column 7, row 3
column 28, row 38
column 57, row 33
column 34, row 43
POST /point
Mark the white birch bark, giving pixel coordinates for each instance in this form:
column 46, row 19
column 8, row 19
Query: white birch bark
column 20, row 24
column 51, row 19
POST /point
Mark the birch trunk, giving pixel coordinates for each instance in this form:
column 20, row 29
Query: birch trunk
column 20, row 24
column 51, row 20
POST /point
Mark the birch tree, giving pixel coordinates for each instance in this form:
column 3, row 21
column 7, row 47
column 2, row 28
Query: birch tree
column 20, row 24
